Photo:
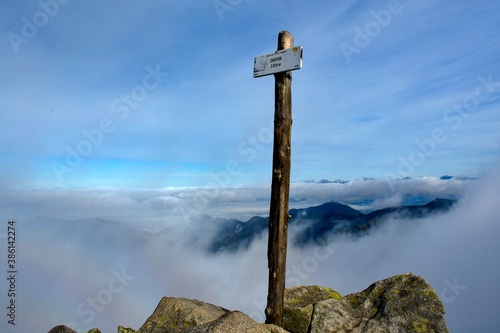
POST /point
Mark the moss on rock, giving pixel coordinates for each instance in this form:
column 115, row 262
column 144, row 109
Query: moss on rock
column 174, row 315
column 235, row 322
column 297, row 319
column 299, row 305
column 403, row 303
column 303, row 296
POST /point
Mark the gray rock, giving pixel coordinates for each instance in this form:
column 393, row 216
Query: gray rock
column 94, row 330
column 297, row 319
column 235, row 322
column 403, row 303
column 305, row 295
column 299, row 302
column 174, row 315
column 62, row 329
column 400, row 304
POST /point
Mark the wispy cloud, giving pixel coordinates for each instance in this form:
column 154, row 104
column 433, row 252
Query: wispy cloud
column 69, row 263
column 155, row 209
column 63, row 81
column 199, row 143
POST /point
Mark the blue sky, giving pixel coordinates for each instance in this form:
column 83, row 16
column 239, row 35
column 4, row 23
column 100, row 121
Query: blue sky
column 161, row 94
column 147, row 113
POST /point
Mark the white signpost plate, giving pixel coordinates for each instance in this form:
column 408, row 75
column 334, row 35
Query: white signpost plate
column 276, row 62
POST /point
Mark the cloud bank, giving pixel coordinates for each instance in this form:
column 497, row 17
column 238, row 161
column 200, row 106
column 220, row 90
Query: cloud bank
column 74, row 273
column 156, row 209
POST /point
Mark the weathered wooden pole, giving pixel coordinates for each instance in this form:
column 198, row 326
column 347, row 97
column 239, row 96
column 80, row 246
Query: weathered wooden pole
column 280, row 188
column 280, row 63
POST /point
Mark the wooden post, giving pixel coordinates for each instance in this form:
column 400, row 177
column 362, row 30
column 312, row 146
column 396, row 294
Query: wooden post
column 278, row 214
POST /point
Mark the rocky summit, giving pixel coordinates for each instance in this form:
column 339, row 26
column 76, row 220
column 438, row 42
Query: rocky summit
column 399, row 304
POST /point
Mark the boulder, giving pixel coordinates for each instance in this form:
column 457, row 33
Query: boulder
column 235, row 322
column 94, row 330
column 174, row 315
column 403, row 303
column 299, row 305
column 62, row 329
column 297, row 319
column 305, row 295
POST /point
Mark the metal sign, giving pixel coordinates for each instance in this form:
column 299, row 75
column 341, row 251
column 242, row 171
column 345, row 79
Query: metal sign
column 276, row 62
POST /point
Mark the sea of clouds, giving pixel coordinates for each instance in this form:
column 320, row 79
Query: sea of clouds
column 71, row 271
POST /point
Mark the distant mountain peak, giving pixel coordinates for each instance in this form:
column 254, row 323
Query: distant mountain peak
column 328, row 181
column 317, row 223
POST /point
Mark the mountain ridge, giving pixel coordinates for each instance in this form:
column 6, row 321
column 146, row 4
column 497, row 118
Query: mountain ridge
column 318, row 223
column 212, row 235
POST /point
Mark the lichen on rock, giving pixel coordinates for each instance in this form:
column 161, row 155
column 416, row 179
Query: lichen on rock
column 305, row 295
column 174, row 315
column 62, row 329
column 94, row 330
column 235, row 322
column 299, row 302
column 403, row 303
column 297, row 319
